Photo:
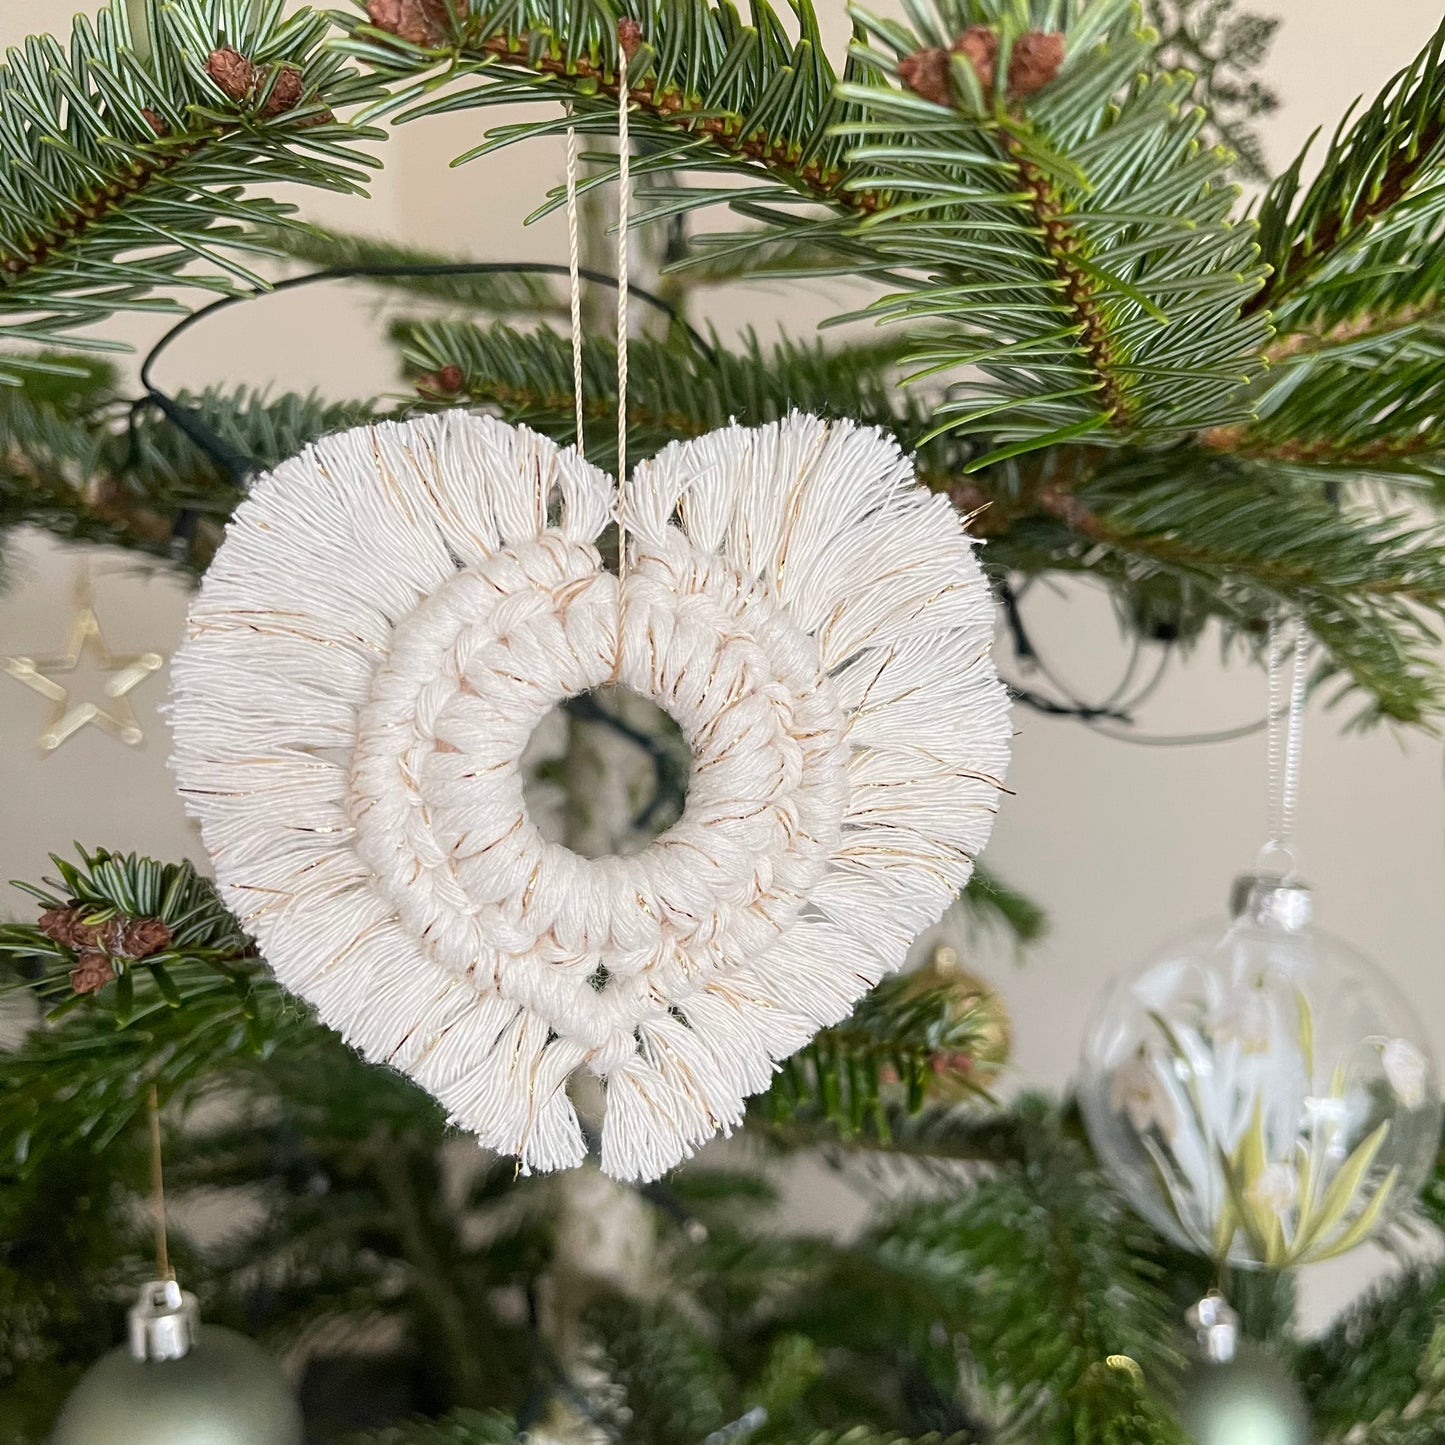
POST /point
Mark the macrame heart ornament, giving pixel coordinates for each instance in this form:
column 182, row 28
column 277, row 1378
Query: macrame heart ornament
column 394, row 611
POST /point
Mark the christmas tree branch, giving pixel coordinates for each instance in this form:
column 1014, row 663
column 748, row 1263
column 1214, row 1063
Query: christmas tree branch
column 125, row 165
column 148, row 980
column 1153, row 524
column 676, row 388
column 462, row 1427
column 413, row 272
column 904, row 1039
column 1237, row 544
column 1326, row 246
column 1370, row 403
column 1376, row 1359
column 992, row 210
column 1080, row 1304
column 938, row 1136
column 1229, row 542
column 714, row 88
column 79, row 459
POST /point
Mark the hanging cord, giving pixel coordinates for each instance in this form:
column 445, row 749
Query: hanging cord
column 624, row 221
column 574, row 283
column 1286, row 739
column 158, row 1187
column 624, row 294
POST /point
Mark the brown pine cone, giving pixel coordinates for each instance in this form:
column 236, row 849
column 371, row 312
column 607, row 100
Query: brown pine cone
column 446, row 382
column 925, row 73
column 108, row 936
column 286, row 93
column 127, row 937
column 232, row 72
column 119, row 935
column 1034, row 61
column 423, row 22
column 980, row 45
column 92, row 971
column 65, row 926
column 629, row 35
column 141, row 937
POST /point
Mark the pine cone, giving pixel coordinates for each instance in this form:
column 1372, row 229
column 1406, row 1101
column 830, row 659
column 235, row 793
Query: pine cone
column 286, row 93
column 446, row 382
column 980, row 45
column 108, row 936
column 91, row 973
column 126, row 937
column 629, row 35
column 121, row 935
column 141, row 937
column 423, row 22
column 65, row 927
column 1034, row 61
column 232, row 72
column 925, row 73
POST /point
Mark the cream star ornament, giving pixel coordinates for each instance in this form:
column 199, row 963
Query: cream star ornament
column 111, row 712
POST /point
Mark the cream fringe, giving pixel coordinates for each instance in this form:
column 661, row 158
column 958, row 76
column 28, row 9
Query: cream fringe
column 389, row 618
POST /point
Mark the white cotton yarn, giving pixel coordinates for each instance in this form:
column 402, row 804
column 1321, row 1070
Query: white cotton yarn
column 394, row 611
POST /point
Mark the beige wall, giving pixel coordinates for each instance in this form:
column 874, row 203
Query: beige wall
column 1122, row 844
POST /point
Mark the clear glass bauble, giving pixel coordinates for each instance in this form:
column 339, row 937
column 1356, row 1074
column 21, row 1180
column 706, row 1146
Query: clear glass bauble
column 1259, row 1091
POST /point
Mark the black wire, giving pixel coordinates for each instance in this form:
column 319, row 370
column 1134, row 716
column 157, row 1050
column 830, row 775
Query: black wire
column 1115, row 709
column 1073, row 708
column 238, row 467
column 1181, row 740
column 1149, row 688
column 1023, row 644
column 1030, row 657
column 1126, row 680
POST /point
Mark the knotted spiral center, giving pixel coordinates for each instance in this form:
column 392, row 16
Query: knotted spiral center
column 436, row 788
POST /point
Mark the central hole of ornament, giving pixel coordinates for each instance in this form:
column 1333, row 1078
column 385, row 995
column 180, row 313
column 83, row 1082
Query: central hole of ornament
column 606, row 772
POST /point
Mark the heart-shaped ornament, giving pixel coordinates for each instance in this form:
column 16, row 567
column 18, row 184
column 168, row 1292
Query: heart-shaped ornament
column 394, row 611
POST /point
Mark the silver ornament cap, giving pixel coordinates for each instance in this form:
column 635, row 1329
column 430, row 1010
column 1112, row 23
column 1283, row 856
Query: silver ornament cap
column 163, row 1321
column 1216, row 1329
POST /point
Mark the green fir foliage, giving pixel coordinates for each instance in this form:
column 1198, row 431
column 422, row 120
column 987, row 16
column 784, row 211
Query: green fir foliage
column 1373, row 1362
column 464, row 1427
column 1018, row 1305
column 902, row 1039
column 1081, row 304
column 1091, row 345
column 1374, row 180
column 128, row 160
column 994, row 217
column 1222, row 48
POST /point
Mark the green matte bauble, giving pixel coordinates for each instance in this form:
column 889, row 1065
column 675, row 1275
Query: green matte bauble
column 180, row 1383
column 1249, row 1400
